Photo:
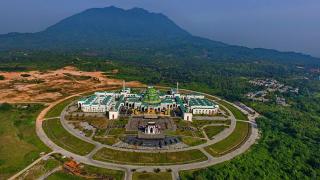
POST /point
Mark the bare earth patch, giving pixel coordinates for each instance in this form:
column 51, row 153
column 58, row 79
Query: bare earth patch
column 52, row 85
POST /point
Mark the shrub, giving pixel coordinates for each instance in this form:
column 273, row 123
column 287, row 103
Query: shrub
column 25, row 75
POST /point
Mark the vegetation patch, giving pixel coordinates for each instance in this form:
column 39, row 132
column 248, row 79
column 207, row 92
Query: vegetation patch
column 2, row 77
column 106, row 140
column 63, row 175
column 141, row 158
column 235, row 111
column 211, row 131
column 236, row 138
column 19, row 143
column 191, row 141
column 57, row 109
column 40, row 169
column 64, row 139
column 151, row 176
column 116, row 174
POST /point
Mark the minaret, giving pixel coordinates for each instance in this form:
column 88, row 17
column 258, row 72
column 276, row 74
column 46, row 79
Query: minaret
column 177, row 87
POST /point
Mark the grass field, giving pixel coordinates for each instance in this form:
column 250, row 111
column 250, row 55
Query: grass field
column 57, row 109
column 40, row 169
column 102, row 173
column 107, row 140
column 235, row 111
column 200, row 123
column 63, row 175
column 191, row 141
column 151, row 176
column 237, row 137
column 165, row 158
column 19, row 143
column 64, row 139
column 213, row 130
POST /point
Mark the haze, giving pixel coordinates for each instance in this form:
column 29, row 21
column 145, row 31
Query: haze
column 286, row 25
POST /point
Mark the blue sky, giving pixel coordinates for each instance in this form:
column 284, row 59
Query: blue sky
column 287, row 25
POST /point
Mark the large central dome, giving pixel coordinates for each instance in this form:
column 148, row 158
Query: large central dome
column 151, row 96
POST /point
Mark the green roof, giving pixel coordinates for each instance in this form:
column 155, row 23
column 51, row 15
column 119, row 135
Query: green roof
column 119, row 102
column 151, row 96
column 200, row 102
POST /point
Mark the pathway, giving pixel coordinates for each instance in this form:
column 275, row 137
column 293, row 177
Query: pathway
column 30, row 165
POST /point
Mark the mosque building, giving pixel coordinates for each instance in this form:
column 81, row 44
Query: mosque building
column 151, row 102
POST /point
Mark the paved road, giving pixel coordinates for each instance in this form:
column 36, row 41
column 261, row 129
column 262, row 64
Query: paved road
column 127, row 168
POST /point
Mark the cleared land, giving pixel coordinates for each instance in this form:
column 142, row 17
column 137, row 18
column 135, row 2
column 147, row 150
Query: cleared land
column 19, row 143
column 165, row 158
column 235, row 111
column 237, row 137
column 151, row 176
column 211, row 131
column 64, row 139
column 37, row 86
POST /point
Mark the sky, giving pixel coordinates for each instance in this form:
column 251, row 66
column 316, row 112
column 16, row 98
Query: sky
column 285, row 25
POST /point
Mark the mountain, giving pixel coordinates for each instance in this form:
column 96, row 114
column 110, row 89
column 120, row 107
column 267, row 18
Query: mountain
column 136, row 29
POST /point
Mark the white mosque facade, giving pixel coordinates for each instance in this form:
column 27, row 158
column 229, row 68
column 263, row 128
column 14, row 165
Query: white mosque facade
column 149, row 102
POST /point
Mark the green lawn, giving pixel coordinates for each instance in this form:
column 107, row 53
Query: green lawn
column 101, row 173
column 191, row 141
column 40, row 169
column 63, row 175
column 165, row 158
column 119, row 175
column 237, row 137
column 151, row 176
column 235, row 111
column 57, row 109
column 19, row 143
column 106, row 140
column 64, row 139
column 200, row 123
column 213, row 130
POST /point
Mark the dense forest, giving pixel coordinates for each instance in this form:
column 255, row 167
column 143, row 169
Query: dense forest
column 289, row 147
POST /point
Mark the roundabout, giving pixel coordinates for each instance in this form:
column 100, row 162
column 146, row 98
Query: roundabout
column 213, row 145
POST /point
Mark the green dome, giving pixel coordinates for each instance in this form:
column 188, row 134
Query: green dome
column 151, row 96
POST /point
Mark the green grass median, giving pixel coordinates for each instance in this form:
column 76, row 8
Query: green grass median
column 142, row 158
column 235, row 111
column 151, row 176
column 55, row 131
column 236, row 138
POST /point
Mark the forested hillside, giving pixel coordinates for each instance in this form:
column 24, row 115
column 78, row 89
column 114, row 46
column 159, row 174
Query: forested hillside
column 140, row 34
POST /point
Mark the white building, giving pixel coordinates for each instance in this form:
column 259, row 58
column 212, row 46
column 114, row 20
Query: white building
column 149, row 102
